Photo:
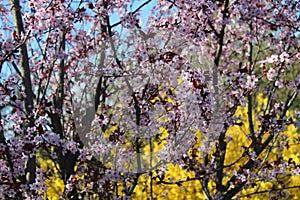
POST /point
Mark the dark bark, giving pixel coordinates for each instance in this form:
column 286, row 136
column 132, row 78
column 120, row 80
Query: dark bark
column 26, row 81
column 222, row 145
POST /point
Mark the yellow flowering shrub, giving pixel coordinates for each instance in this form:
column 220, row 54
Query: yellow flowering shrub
column 235, row 149
column 150, row 187
column 55, row 185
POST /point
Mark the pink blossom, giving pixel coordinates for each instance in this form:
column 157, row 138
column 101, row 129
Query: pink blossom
column 251, row 82
column 296, row 171
column 284, row 56
column 279, row 83
column 271, row 74
column 272, row 59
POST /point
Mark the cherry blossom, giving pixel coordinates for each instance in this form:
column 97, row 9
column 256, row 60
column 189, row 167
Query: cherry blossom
column 108, row 106
column 271, row 74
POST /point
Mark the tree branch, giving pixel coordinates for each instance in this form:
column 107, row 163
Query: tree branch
column 135, row 11
column 258, row 150
column 271, row 190
column 221, row 146
column 25, row 71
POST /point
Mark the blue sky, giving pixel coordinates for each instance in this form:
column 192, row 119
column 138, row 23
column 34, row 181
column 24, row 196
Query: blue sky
column 145, row 12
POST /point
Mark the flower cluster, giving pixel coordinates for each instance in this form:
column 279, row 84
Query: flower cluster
column 130, row 20
column 108, row 108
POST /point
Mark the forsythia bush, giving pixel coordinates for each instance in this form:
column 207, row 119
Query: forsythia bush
column 235, row 149
column 237, row 140
column 192, row 189
column 55, row 185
